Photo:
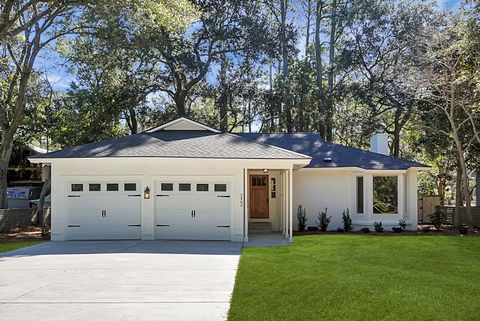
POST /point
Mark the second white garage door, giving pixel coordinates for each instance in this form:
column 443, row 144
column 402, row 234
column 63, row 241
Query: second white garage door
column 190, row 208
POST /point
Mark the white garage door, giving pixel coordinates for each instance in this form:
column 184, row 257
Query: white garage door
column 192, row 208
column 103, row 210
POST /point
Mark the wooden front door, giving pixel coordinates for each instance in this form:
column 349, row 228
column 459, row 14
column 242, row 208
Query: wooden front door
column 258, row 196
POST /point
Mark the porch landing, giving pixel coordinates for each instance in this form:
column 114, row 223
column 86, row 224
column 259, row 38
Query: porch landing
column 266, row 239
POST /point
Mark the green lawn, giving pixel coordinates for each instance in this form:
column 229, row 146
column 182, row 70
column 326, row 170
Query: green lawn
column 7, row 245
column 360, row 277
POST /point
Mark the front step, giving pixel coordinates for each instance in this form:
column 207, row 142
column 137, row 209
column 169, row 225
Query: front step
column 260, row 227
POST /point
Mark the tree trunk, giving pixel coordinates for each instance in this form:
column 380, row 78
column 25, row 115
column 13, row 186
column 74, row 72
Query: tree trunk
column 331, row 72
column 463, row 166
column 46, row 188
column 307, row 36
column 222, row 100
column 458, row 219
column 395, row 150
column 319, row 69
column 132, row 121
column 180, row 103
column 477, row 187
column 5, row 153
column 286, row 90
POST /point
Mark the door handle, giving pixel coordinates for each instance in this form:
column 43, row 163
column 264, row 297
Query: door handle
column 191, row 213
column 194, row 213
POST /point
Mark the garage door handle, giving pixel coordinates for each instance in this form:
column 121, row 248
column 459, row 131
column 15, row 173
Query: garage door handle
column 73, row 225
column 162, row 195
column 194, row 213
column 223, row 196
column 163, row 225
column 131, row 225
column 226, row 226
column 134, row 195
column 73, row 195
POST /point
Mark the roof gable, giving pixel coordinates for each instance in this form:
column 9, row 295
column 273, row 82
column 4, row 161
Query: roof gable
column 182, row 123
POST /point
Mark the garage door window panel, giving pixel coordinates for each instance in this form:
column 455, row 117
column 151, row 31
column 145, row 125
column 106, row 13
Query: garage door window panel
column 184, row 187
column 77, row 187
column 220, row 187
column 130, row 187
column 94, row 187
column 167, row 187
column 112, row 187
column 202, row 187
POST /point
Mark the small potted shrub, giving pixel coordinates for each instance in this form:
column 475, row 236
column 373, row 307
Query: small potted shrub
column 347, row 221
column 438, row 218
column 378, row 227
column 302, row 218
column 397, row 229
column 365, row 230
column 403, row 224
column 463, row 229
column 323, row 220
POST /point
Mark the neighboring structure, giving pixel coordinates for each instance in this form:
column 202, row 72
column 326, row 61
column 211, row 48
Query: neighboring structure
column 184, row 180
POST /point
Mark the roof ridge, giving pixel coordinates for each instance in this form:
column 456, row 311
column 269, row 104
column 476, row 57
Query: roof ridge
column 269, row 145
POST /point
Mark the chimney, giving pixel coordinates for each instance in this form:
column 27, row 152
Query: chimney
column 379, row 144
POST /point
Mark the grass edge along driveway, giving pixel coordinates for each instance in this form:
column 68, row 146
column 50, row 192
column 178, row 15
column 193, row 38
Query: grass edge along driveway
column 360, row 277
column 7, row 245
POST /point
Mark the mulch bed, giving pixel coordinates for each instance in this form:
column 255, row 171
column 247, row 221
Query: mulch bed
column 422, row 230
column 31, row 233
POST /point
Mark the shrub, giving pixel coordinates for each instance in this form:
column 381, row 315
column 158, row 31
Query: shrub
column 397, row 229
column 403, row 224
column 347, row 221
column 302, row 218
column 323, row 220
column 365, row 230
column 438, row 218
column 378, row 227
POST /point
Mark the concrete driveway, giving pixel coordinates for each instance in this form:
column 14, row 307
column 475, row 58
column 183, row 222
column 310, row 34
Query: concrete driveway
column 118, row 280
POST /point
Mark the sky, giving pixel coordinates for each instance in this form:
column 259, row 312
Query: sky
column 56, row 72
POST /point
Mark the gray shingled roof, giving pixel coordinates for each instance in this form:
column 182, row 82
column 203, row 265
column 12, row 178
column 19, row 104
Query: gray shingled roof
column 341, row 156
column 176, row 144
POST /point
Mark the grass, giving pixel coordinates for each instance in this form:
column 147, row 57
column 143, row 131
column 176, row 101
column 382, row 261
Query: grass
column 9, row 245
column 360, row 277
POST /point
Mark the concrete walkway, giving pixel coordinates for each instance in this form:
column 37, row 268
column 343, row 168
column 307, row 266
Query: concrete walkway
column 118, row 281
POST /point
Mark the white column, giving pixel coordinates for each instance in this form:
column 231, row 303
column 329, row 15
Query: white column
column 245, row 204
column 290, row 201
column 412, row 199
column 401, row 196
column 368, row 196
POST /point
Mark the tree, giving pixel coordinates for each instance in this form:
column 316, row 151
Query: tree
column 449, row 75
column 28, row 27
column 381, row 47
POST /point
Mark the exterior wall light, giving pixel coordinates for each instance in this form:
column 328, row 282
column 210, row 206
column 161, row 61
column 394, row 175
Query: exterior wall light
column 146, row 193
column 265, row 171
